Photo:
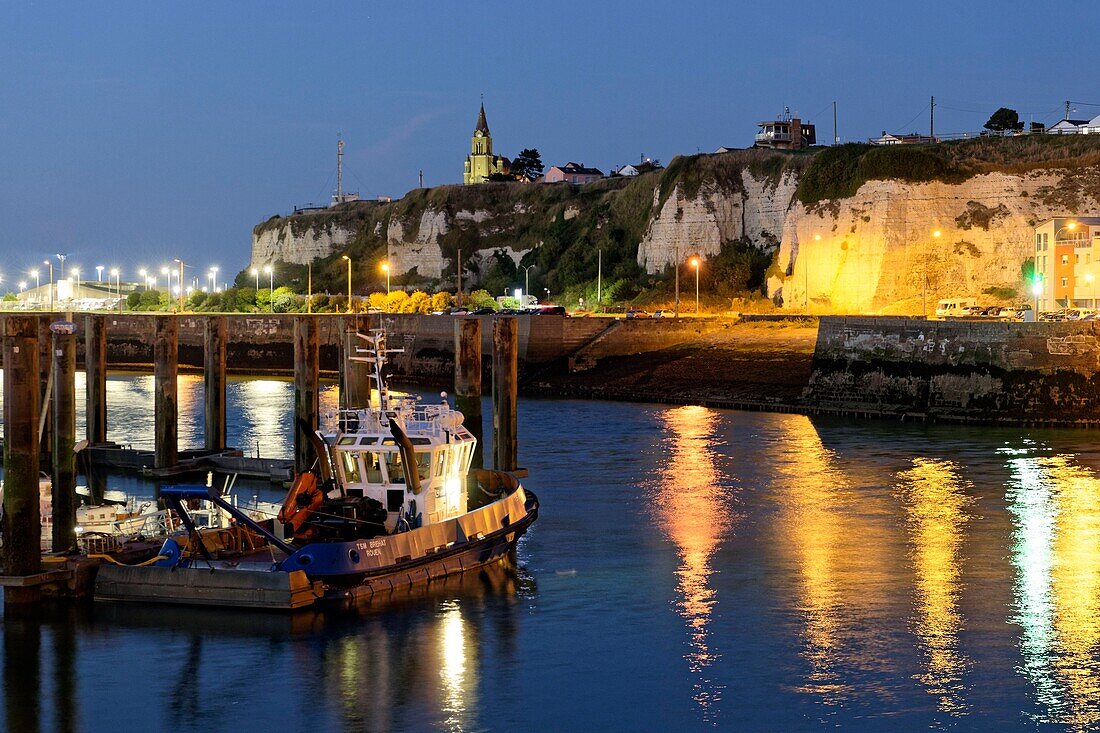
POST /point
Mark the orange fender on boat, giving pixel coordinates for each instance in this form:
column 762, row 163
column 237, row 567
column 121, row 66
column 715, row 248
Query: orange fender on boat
column 304, row 498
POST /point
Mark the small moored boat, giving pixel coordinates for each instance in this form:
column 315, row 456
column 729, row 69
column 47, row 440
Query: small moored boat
column 386, row 506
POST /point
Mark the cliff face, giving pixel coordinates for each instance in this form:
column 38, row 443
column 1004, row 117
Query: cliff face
column 850, row 227
column 872, row 252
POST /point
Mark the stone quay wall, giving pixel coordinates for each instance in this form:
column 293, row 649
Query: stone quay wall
column 957, row 370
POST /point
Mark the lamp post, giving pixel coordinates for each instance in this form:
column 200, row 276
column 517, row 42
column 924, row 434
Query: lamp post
column 50, row 265
column 386, row 269
column 527, row 284
column 118, row 286
column 256, row 274
column 144, row 277
column 348, row 260
column 180, row 283
column 37, row 285
column 309, row 287
column 99, row 273
column 22, row 285
column 167, row 277
column 214, row 273
column 695, row 264
column 270, row 287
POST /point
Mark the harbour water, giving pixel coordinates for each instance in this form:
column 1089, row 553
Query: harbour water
column 692, row 569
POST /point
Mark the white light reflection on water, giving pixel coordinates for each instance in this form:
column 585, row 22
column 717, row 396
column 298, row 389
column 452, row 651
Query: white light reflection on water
column 935, row 498
column 1056, row 553
column 694, row 514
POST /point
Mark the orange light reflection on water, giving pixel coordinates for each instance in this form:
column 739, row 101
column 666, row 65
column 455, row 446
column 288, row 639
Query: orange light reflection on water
column 695, row 515
column 935, row 497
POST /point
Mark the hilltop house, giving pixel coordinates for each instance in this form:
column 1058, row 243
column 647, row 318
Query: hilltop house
column 1067, row 127
column 572, row 173
column 910, row 139
column 786, row 133
column 1092, row 127
column 637, row 169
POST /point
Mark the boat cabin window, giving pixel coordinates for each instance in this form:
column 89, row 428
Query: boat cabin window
column 440, row 462
column 351, row 467
column 374, row 468
column 393, row 467
column 346, row 441
column 424, row 465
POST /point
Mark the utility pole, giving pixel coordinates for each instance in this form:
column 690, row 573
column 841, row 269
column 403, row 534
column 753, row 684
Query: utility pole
column 422, row 178
column 1067, row 110
column 836, row 137
column 932, row 119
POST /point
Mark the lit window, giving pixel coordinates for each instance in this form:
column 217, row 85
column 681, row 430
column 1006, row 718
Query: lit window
column 351, row 467
column 1064, row 282
column 374, row 468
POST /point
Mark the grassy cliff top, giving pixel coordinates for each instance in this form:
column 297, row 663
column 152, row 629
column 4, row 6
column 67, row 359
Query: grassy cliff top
column 838, row 172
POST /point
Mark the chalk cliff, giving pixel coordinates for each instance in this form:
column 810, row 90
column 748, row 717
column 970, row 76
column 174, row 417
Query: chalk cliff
column 850, row 228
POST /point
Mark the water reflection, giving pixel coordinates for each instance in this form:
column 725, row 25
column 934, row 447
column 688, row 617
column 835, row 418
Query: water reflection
column 1056, row 552
column 693, row 512
column 935, row 497
column 840, row 557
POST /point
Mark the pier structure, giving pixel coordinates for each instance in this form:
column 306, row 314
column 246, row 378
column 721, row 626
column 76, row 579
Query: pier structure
column 95, row 368
column 468, row 381
column 165, row 391
column 505, row 393
column 22, row 519
column 306, row 388
column 63, row 475
column 215, row 339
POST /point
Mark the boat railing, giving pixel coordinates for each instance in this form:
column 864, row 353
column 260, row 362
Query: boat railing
column 430, row 420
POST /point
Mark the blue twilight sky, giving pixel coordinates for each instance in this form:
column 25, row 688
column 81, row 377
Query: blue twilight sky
column 132, row 133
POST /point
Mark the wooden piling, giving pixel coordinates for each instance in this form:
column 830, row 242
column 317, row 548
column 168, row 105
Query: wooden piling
column 468, row 380
column 165, row 398
column 64, row 435
column 215, row 335
column 355, row 375
column 306, row 387
column 505, row 393
column 44, row 428
column 22, row 520
column 95, row 368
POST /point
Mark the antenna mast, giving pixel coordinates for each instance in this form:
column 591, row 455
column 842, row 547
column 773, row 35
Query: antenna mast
column 339, row 168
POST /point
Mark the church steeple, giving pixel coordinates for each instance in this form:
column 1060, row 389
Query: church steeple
column 482, row 125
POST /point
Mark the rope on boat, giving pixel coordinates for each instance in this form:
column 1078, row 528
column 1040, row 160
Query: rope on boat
column 110, row 559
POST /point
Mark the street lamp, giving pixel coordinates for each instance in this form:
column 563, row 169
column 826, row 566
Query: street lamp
column 99, row 273
column 527, row 284
column 386, row 269
column 695, row 264
column 167, row 277
column 256, row 274
column 22, row 285
column 144, row 277
column 76, row 273
column 214, row 272
column 309, row 287
column 50, row 265
column 270, row 286
column 179, row 285
column 348, row 260
column 118, row 286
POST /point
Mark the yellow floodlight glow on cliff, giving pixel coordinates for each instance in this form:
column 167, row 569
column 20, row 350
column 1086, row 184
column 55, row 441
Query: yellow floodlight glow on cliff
column 937, row 233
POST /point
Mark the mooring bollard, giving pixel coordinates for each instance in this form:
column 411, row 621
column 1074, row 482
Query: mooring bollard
column 22, row 521
column 64, row 435
column 215, row 337
column 306, row 386
column 468, row 381
column 95, row 369
column 505, row 379
column 165, row 398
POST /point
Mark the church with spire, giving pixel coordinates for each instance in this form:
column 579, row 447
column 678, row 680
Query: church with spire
column 481, row 163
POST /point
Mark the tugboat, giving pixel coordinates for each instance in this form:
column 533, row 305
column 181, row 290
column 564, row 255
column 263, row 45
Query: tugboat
column 385, row 506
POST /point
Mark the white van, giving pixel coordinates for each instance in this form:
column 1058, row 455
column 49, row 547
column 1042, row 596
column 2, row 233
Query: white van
column 955, row 307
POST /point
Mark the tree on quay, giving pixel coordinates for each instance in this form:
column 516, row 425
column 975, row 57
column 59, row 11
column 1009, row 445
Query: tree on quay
column 527, row 165
column 1003, row 120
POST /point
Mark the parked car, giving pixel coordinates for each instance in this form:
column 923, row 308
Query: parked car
column 486, row 311
column 664, row 314
column 636, row 313
column 1077, row 314
column 551, row 310
column 954, row 307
